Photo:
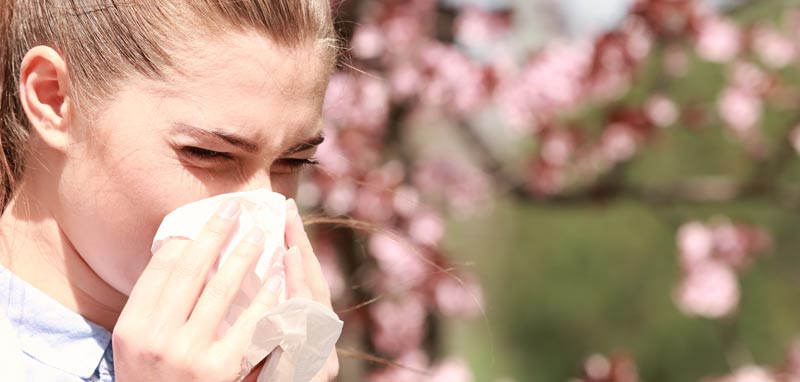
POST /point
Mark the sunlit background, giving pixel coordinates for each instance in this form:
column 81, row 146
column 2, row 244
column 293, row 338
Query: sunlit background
column 564, row 190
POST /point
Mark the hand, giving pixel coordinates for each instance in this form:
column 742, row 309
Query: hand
column 304, row 278
column 168, row 330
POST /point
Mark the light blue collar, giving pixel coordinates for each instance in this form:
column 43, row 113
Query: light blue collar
column 48, row 331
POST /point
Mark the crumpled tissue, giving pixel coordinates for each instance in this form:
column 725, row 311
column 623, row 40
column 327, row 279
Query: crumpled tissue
column 298, row 333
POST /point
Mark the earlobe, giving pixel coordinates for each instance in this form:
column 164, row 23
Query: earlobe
column 43, row 90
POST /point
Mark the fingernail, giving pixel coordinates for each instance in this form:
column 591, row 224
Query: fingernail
column 255, row 236
column 275, row 283
column 229, row 209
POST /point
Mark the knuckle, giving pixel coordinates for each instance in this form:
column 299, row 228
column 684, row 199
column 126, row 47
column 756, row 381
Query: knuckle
column 187, row 271
column 245, row 251
column 122, row 336
column 217, row 290
column 154, row 356
column 161, row 261
column 262, row 302
column 304, row 292
column 218, row 226
column 248, row 320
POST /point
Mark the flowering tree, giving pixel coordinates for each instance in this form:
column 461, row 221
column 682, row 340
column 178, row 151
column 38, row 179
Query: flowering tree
column 559, row 125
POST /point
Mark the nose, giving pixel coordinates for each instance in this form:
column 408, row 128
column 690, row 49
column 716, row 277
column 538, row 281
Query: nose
column 258, row 181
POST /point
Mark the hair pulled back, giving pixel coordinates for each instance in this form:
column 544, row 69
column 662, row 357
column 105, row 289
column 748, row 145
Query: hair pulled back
column 104, row 41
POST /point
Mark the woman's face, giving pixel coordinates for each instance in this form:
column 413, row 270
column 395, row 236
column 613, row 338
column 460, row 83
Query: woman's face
column 245, row 114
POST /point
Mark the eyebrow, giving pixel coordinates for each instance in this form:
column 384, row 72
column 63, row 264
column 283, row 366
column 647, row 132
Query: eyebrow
column 307, row 145
column 241, row 142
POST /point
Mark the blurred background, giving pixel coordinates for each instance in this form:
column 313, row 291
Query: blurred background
column 563, row 190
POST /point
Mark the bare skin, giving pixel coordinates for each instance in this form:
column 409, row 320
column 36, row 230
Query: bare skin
column 97, row 185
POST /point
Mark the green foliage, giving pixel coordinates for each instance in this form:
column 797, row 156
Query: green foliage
column 567, row 282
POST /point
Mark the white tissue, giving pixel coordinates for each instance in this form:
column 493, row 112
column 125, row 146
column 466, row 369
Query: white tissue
column 299, row 333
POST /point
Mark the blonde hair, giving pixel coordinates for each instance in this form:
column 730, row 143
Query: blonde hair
column 105, row 41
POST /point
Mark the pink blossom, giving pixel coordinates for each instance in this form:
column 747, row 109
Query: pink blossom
column 367, row 42
column 618, row 142
column 551, row 83
column 749, row 373
column 676, row 61
column 357, row 101
column 598, row 367
column 406, row 81
column 374, row 204
column 399, row 325
column 639, row 42
column 406, row 200
column 458, row 298
column 327, row 256
column 451, row 370
column 334, row 162
column 546, row 180
column 403, row 33
column 471, row 194
column 740, row 109
column 340, row 200
column 339, row 96
column 466, row 188
column 456, row 81
column 708, row 289
column 718, row 39
column 730, row 244
column 401, row 264
column 661, row 110
column 412, row 368
column 617, row 368
column 476, row 26
column 610, row 84
column 775, row 49
column 695, row 242
column 426, row 227
column 746, row 75
column 737, row 244
column 557, row 148
column 790, row 371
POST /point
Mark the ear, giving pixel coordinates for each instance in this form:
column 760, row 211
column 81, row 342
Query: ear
column 43, row 94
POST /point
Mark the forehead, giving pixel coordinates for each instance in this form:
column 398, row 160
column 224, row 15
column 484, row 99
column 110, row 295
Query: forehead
column 248, row 81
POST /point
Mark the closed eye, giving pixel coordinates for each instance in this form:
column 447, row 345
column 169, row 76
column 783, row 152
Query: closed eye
column 292, row 165
column 204, row 154
column 280, row 166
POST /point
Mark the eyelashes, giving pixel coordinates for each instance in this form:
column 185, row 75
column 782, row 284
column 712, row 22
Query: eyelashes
column 292, row 165
column 203, row 154
column 211, row 158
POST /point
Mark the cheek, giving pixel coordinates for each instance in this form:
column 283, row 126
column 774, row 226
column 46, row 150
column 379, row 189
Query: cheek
column 114, row 205
column 286, row 185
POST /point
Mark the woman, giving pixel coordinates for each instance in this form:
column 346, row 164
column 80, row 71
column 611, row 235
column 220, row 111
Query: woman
column 114, row 114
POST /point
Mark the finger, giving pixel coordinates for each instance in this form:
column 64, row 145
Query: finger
column 333, row 363
column 148, row 288
column 218, row 294
column 184, row 285
column 295, row 275
column 239, row 335
column 296, row 236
